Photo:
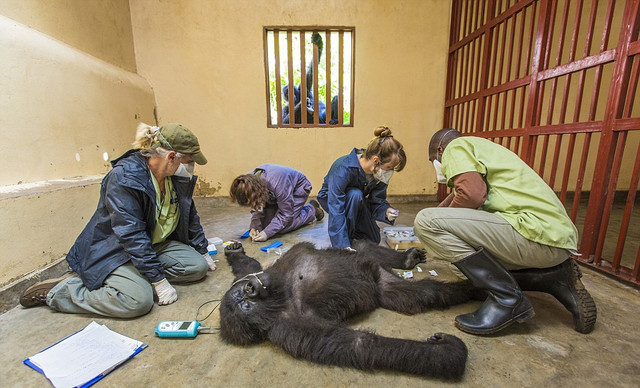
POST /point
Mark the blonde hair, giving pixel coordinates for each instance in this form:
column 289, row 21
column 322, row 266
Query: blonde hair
column 149, row 141
column 385, row 146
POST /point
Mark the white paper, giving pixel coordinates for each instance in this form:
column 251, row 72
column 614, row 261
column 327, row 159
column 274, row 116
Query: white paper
column 92, row 352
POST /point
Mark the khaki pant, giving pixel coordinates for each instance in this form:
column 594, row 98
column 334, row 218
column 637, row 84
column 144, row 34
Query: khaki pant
column 125, row 292
column 452, row 234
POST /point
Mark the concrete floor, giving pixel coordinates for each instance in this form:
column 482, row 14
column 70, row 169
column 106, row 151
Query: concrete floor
column 544, row 351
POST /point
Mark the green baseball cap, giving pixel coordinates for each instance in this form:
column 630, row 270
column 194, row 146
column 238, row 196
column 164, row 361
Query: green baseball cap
column 179, row 138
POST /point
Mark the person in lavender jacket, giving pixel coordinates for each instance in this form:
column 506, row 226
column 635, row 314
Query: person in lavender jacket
column 277, row 197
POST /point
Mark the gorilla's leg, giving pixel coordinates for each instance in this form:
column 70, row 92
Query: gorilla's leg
column 388, row 258
column 441, row 356
column 413, row 297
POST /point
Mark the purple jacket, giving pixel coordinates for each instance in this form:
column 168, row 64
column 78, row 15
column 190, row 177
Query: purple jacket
column 290, row 190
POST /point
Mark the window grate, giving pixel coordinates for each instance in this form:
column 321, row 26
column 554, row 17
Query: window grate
column 319, row 63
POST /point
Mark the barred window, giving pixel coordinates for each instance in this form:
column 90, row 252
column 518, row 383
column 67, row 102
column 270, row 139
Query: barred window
column 318, row 62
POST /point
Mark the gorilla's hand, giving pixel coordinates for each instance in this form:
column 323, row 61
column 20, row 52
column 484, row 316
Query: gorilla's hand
column 234, row 247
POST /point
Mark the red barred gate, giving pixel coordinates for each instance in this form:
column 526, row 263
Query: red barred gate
column 556, row 81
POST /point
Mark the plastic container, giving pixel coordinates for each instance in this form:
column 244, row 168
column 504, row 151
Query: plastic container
column 211, row 248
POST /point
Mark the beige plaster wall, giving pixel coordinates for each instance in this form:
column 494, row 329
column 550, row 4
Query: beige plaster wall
column 101, row 28
column 205, row 62
column 65, row 113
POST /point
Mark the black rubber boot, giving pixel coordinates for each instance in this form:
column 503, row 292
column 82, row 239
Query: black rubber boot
column 563, row 282
column 505, row 304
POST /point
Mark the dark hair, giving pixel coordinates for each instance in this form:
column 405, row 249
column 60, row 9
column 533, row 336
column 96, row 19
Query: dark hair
column 385, row 146
column 441, row 139
column 249, row 190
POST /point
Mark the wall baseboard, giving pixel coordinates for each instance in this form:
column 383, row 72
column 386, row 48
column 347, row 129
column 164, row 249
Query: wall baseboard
column 10, row 294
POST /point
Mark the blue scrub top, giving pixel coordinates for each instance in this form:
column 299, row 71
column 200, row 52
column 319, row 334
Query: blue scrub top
column 346, row 173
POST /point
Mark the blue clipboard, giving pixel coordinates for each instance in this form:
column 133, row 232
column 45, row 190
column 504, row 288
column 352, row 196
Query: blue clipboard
column 89, row 383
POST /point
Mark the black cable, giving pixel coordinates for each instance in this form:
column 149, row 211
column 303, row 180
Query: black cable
column 208, row 315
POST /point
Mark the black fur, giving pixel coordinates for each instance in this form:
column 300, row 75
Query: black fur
column 301, row 302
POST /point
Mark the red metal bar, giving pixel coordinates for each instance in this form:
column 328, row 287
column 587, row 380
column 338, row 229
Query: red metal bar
column 608, row 141
column 491, row 22
column 454, row 32
column 536, row 65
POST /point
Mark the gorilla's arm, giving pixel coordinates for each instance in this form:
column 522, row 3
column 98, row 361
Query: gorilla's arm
column 441, row 356
column 240, row 263
column 389, row 258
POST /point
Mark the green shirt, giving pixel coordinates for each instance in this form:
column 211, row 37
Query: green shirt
column 514, row 191
column 167, row 211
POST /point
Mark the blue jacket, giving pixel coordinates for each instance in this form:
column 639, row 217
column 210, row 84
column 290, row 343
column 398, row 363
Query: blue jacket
column 120, row 230
column 346, row 173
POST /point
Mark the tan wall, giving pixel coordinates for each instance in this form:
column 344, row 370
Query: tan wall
column 205, row 62
column 62, row 110
column 97, row 27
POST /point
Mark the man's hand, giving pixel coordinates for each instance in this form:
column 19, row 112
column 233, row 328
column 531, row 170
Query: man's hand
column 253, row 233
column 392, row 214
column 165, row 292
column 210, row 262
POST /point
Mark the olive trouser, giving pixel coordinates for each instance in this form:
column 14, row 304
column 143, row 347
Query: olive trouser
column 452, row 234
column 126, row 293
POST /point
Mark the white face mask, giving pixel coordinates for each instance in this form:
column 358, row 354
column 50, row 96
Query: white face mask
column 383, row 176
column 185, row 170
column 439, row 175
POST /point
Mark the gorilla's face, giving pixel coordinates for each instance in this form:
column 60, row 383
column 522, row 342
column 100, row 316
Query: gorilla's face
column 248, row 308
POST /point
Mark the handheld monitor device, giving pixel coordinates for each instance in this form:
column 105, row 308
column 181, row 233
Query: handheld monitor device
column 180, row 329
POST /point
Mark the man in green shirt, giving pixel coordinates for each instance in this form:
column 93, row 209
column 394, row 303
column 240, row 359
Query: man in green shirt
column 504, row 229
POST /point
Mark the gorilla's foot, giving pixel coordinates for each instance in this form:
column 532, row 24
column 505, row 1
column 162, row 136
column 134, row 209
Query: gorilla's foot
column 414, row 256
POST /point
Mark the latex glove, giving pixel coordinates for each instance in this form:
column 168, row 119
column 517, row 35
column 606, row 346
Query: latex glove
column 350, row 249
column 165, row 292
column 210, row 262
column 392, row 214
column 262, row 236
column 253, row 233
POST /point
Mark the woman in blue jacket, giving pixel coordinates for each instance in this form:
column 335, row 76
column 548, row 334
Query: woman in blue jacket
column 144, row 233
column 354, row 192
column 277, row 196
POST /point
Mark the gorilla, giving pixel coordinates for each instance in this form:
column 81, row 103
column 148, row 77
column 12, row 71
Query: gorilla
column 316, row 39
column 302, row 301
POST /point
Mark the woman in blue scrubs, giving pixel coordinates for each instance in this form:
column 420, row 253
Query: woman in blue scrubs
column 354, row 192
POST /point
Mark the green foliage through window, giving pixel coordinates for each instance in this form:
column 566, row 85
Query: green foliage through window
column 287, row 56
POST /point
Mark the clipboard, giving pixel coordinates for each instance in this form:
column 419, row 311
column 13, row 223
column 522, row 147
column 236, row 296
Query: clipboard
column 28, row 361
